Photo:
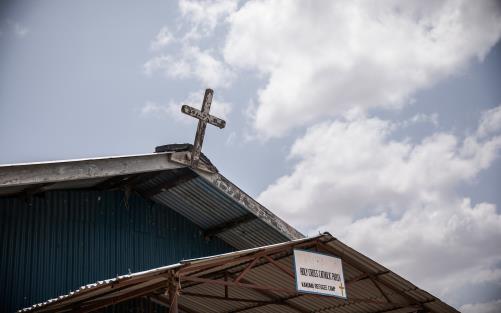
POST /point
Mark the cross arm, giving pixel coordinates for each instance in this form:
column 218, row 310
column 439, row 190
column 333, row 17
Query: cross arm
column 217, row 121
column 186, row 109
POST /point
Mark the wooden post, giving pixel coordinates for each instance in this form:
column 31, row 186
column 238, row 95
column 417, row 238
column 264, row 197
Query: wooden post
column 173, row 290
column 226, row 287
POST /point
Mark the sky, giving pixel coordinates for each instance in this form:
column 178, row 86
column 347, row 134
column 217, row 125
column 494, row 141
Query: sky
column 379, row 122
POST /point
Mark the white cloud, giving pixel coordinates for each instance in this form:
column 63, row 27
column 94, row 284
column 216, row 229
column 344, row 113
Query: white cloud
column 458, row 243
column 186, row 59
column 420, row 118
column 343, row 156
column 490, row 122
column 162, row 39
column 151, row 108
column 395, row 200
column 325, row 58
column 192, row 62
column 204, row 16
column 340, row 60
column 486, row 307
column 172, row 109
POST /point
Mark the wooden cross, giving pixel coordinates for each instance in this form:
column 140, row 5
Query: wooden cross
column 203, row 118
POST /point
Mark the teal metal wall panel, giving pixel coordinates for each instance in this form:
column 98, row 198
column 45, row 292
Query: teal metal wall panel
column 70, row 238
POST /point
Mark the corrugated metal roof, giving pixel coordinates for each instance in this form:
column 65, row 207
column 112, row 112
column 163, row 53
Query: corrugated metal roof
column 211, row 208
column 198, row 199
column 370, row 286
column 220, row 208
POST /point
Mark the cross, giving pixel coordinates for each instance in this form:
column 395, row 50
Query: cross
column 203, row 118
column 342, row 289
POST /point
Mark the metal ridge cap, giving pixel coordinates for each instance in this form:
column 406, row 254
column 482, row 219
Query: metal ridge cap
column 82, row 159
column 70, row 170
column 236, row 194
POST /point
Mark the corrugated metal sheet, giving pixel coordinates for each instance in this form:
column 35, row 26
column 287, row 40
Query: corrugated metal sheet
column 363, row 294
column 67, row 238
column 198, row 199
column 72, row 237
column 208, row 207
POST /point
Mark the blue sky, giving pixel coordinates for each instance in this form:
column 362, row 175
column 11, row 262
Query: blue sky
column 383, row 120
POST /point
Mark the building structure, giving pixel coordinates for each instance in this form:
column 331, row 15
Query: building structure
column 254, row 280
column 67, row 223
column 64, row 224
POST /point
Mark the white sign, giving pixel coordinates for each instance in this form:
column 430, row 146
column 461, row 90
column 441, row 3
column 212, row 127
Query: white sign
column 319, row 273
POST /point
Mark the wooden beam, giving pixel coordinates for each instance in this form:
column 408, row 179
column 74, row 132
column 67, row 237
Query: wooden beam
column 129, row 181
column 182, row 177
column 403, row 309
column 197, row 295
column 296, row 295
column 248, row 268
column 90, row 294
column 351, row 300
column 226, row 288
column 33, row 190
column 99, row 304
column 158, row 299
column 113, row 182
column 196, row 269
column 363, row 277
column 280, row 266
column 226, row 226
column 173, row 291
column 276, row 300
column 243, row 285
column 372, row 278
column 360, row 268
column 28, row 193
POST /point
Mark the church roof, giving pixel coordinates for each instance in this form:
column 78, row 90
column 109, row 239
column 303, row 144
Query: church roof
column 258, row 280
column 222, row 210
column 202, row 195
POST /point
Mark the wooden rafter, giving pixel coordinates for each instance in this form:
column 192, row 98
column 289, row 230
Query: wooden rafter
column 248, row 268
column 235, row 271
column 373, row 280
column 236, row 284
column 183, row 177
column 198, row 295
column 352, row 263
column 226, row 226
column 284, row 269
column 196, row 270
column 161, row 300
column 98, row 304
